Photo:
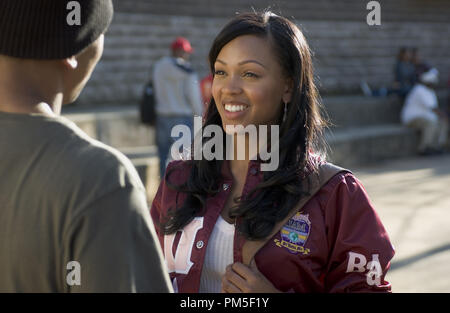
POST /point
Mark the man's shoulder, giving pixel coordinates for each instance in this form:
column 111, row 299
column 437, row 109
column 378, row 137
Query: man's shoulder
column 55, row 163
column 87, row 161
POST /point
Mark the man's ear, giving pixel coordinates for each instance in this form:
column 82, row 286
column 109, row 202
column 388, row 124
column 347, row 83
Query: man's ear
column 71, row 62
column 288, row 90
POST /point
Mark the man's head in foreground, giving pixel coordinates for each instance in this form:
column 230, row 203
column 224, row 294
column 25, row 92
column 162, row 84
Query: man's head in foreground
column 48, row 50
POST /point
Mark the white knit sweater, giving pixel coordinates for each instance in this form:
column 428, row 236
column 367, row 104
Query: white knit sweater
column 219, row 254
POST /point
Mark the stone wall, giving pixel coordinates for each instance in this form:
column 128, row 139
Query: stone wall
column 346, row 50
column 324, row 10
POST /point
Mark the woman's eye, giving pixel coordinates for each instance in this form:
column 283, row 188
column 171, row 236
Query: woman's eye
column 250, row 74
column 219, row 72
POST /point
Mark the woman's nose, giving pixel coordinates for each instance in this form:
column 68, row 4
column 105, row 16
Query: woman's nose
column 232, row 85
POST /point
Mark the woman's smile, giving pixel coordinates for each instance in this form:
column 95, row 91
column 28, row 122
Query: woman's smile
column 235, row 110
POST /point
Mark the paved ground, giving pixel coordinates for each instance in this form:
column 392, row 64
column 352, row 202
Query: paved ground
column 412, row 197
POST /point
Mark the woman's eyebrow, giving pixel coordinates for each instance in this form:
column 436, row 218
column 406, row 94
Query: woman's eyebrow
column 243, row 62
column 251, row 61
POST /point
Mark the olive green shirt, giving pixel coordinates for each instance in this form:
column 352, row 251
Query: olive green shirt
column 65, row 197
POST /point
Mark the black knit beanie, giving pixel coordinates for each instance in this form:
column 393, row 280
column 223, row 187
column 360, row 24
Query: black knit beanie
column 39, row 29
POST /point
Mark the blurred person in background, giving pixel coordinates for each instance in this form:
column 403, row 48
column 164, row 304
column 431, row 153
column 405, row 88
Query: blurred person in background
column 178, row 97
column 421, row 111
column 420, row 66
column 73, row 211
column 404, row 73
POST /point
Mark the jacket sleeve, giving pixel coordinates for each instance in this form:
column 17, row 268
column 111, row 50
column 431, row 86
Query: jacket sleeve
column 159, row 205
column 359, row 247
column 155, row 210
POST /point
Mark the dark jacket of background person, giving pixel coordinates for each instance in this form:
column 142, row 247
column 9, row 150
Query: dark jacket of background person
column 404, row 72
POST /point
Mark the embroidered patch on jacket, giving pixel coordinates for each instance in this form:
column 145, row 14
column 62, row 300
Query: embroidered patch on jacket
column 294, row 234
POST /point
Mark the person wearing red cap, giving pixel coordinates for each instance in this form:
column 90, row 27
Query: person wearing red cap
column 178, row 96
column 182, row 45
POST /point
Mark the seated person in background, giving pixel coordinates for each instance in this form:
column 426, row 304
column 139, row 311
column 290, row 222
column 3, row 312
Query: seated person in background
column 404, row 73
column 421, row 112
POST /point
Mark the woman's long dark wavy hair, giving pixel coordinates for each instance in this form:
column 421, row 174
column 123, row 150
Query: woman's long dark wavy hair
column 300, row 134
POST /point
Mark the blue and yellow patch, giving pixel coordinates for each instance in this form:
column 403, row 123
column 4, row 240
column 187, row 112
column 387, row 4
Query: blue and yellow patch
column 295, row 233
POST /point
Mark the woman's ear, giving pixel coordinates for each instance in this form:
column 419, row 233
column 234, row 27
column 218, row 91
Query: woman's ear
column 71, row 62
column 288, row 90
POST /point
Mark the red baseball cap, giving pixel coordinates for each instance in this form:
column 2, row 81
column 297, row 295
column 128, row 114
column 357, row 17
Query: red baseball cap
column 182, row 44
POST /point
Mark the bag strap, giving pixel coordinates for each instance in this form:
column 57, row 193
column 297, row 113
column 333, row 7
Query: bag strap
column 326, row 171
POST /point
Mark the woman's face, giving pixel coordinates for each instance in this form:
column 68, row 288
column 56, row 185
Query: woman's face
column 249, row 86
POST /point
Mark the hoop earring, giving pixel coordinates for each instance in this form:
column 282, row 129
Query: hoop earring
column 285, row 112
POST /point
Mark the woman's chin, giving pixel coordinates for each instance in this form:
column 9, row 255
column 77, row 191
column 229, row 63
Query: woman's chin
column 238, row 128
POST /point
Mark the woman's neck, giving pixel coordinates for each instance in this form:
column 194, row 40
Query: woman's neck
column 239, row 166
column 238, row 170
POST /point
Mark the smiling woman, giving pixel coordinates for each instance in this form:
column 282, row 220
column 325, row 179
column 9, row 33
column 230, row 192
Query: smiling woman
column 210, row 210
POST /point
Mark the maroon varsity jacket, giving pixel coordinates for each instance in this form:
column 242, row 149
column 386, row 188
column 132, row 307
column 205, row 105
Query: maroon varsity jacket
column 335, row 243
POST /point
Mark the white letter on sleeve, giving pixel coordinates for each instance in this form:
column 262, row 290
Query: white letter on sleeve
column 353, row 265
column 374, row 274
column 182, row 263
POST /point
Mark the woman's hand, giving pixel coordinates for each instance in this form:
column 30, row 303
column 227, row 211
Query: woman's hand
column 240, row 278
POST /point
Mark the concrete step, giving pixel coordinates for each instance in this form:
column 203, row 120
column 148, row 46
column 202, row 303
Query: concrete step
column 348, row 147
column 360, row 111
column 146, row 162
column 353, row 111
column 120, row 126
column 357, row 146
column 117, row 126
